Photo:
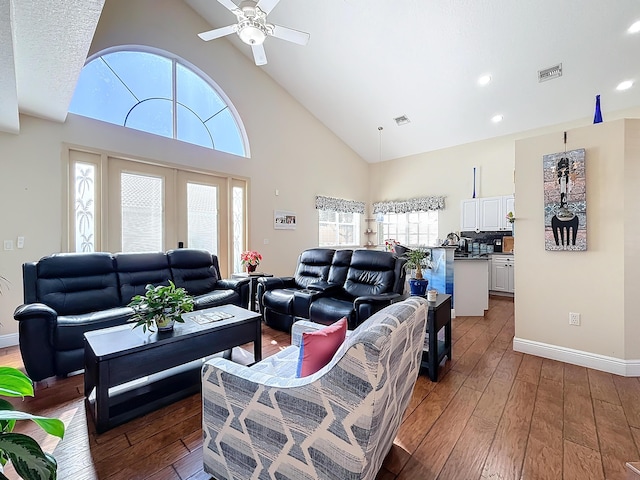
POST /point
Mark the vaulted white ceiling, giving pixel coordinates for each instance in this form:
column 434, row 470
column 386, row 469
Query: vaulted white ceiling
column 43, row 47
column 369, row 61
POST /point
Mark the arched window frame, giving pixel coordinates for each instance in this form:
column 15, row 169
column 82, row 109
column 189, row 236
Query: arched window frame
column 175, row 59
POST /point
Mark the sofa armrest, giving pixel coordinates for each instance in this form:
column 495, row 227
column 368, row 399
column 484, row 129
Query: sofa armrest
column 326, row 288
column 303, row 326
column 233, row 283
column 306, row 326
column 36, row 323
column 367, row 305
column 271, row 283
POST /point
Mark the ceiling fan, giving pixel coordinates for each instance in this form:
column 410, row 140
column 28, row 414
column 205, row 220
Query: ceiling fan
column 253, row 29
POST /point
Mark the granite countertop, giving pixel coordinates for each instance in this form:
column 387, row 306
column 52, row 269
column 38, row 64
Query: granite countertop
column 471, row 256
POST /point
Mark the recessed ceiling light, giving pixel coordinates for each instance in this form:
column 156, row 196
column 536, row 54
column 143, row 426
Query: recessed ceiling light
column 626, row 85
column 635, row 28
column 497, row 118
column 484, row 79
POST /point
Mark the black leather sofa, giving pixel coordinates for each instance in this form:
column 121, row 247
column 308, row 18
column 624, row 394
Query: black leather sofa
column 68, row 294
column 331, row 284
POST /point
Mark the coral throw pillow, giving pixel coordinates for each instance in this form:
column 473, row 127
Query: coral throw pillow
column 318, row 347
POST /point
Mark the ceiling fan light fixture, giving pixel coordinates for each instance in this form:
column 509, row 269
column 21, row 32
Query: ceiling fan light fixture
column 252, row 33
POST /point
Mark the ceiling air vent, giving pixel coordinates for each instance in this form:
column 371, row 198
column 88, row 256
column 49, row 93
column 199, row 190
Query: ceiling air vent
column 550, row 73
column 402, row 120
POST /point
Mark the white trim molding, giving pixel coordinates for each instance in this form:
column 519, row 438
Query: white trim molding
column 9, row 340
column 617, row 366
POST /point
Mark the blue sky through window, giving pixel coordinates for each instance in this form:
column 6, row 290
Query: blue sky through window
column 135, row 89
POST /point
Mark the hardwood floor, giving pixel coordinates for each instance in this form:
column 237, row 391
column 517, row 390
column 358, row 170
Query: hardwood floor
column 494, row 414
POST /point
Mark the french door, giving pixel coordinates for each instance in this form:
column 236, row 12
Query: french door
column 120, row 205
column 155, row 208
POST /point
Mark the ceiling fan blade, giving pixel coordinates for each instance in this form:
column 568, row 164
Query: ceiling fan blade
column 218, row 32
column 266, row 5
column 228, row 4
column 290, row 35
column 259, row 55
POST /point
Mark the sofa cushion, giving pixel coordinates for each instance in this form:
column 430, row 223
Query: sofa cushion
column 193, row 270
column 327, row 310
column 68, row 334
column 77, row 283
column 283, row 364
column 137, row 270
column 317, row 348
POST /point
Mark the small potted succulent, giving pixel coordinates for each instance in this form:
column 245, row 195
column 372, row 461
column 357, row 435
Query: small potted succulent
column 162, row 305
column 417, row 259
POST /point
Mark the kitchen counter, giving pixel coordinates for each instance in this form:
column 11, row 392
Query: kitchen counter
column 470, row 256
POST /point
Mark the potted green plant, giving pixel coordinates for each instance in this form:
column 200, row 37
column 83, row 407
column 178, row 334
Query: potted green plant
column 417, row 258
column 26, row 456
column 162, row 305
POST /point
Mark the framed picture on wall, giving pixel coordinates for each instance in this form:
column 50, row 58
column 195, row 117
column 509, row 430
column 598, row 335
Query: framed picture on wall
column 284, row 220
column 565, row 201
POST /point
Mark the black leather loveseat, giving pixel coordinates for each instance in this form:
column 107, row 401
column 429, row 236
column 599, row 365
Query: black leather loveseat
column 68, row 294
column 331, row 284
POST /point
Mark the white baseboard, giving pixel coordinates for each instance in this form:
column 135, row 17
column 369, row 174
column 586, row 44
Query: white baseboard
column 8, row 340
column 625, row 368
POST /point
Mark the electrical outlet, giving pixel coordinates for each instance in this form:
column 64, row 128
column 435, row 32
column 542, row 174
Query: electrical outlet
column 574, row 318
column 8, row 244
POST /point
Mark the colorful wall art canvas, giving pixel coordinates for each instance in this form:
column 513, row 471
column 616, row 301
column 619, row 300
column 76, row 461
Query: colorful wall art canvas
column 565, row 201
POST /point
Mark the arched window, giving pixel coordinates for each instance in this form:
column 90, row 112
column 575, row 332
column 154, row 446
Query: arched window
column 158, row 93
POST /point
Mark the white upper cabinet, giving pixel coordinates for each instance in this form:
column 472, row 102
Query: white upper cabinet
column 491, row 213
column 486, row 214
column 469, row 215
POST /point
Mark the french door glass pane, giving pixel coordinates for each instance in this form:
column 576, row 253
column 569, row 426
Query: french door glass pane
column 84, row 199
column 202, row 215
column 142, row 213
column 238, row 226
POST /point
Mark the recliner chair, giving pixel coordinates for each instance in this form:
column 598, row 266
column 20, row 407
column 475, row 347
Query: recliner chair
column 283, row 300
column 355, row 285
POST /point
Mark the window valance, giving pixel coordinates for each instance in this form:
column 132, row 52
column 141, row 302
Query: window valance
column 339, row 205
column 422, row 204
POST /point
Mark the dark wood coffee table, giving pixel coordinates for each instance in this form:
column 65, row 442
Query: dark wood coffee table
column 129, row 373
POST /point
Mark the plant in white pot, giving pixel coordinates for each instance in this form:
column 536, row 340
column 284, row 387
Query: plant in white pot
column 417, row 259
column 162, row 306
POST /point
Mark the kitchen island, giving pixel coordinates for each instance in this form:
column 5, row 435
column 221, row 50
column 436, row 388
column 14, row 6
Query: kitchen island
column 471, row 284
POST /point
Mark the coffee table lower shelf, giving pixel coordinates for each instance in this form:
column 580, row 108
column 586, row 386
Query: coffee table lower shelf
column 125, row 404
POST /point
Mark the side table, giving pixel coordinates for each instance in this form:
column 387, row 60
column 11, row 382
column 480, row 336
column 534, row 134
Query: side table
column 434, row 351
column 253, row 286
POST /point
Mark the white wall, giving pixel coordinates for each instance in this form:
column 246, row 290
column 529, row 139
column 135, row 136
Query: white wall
column 549, row 285
column 291, row 150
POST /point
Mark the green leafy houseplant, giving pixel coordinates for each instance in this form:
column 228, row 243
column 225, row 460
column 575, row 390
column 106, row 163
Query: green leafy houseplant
column 160, row 303
column 26, row 456
column 417, row 258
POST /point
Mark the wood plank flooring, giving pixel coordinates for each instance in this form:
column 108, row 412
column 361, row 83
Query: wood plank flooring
column 495, row 414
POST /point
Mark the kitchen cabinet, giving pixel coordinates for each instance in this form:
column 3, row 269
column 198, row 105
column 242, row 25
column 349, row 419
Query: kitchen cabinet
column 491, row 216
column 486, row 214
column 502, row 268
column 469, row 215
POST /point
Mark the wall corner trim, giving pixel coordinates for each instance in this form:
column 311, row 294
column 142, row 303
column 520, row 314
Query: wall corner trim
column 617, row 366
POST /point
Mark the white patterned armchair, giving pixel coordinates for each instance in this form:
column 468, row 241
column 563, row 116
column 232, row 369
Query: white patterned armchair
column 262, row 422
